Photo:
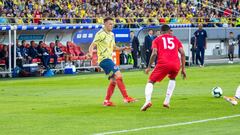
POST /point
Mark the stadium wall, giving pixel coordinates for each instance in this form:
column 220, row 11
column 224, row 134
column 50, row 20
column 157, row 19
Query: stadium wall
column 216, row 38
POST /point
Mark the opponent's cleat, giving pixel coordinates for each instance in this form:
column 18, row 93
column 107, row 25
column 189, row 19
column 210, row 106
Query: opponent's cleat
column 146, row 106
column 129, row 100
column 231, row 100
column 166, row 106
column 108, row 103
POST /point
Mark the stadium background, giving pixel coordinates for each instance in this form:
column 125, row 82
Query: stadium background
column 75, row 21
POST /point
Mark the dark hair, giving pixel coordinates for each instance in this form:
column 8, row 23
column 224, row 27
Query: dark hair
column 31, row 42
column 40, row 42
column 131, row 31
column 23, row 41
column 107, row 19
column 231, row 32
column 165, row 28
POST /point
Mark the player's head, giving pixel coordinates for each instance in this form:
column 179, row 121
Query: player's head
column 150, row 32
column 158, row 33
column 132, row 33
column 165, row 29
column 200, row 26
column 108, row 23
column 231, row 34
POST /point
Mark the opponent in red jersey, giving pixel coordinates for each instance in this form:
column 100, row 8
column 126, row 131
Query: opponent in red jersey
column 166, row 47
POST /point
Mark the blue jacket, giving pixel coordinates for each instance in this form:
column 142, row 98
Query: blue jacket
column 33, row 52
column 148, row 42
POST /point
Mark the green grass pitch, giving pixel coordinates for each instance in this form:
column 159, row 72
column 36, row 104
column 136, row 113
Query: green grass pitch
column 72, row 105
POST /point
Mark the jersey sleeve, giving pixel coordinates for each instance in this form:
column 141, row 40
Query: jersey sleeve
column 97, row 39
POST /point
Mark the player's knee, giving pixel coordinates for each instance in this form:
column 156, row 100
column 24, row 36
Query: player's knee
column 152, row 82
column 113, row 81
column 118, row 75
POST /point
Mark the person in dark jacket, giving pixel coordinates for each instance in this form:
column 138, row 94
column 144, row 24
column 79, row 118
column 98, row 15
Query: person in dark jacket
column 148, row 45
column 33, row 52
column 57, row 52
column 201, row 44
column 134, row 43
column 24, row 51
column 193, row 49
column 44, row 54
column 4, row 55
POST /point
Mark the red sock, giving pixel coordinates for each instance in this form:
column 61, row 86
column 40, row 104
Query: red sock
column 122, row 87
column 110, row 90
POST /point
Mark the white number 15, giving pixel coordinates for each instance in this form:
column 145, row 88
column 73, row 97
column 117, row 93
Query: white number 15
column 168, row 43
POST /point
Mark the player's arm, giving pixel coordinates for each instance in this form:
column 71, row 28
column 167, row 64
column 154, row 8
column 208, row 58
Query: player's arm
column 97, row 39
column 183, row 60
column 91, row 49
column 152, row 59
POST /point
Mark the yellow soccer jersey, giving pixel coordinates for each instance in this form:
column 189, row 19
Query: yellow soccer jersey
column 105, row 43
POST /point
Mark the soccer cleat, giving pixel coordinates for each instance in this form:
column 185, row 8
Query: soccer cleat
column 231, row 100
column 108, row 103
column 146, row 106
column 129, row 100
column 166, row 106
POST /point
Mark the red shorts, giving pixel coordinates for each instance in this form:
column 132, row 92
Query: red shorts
column 161, row 71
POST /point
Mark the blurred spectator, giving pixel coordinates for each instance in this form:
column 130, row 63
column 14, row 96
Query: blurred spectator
column 24, row 51
column 57, row 52
column 19, row 57
column 148, row 45
column 193, row 49
column 231, row 41
column 201, row 44
column 4, row 55
column 33, row 52
column 125, row 11
column 44, row 54
column 134, row 43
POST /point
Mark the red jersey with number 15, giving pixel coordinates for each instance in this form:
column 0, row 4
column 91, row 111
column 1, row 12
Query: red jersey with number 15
column 167, row 49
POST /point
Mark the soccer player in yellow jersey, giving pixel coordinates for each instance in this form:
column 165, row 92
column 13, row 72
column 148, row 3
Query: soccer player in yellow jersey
column 105, row 43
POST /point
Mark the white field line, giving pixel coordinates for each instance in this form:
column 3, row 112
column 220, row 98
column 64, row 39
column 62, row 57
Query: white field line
column 168, row 125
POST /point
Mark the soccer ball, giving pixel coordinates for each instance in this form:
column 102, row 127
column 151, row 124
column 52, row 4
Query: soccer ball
column 217, row 92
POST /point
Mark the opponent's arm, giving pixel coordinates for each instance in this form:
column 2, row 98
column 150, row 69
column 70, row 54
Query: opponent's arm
column 183, row 60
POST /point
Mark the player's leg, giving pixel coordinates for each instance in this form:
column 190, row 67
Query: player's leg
column 170, row 89
column 158, row 74
column 234, row 100
column 148, row 96
column 122, row 87
column 110, row 91
column 171, row 85
column 106, row 65
column 237, row 95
